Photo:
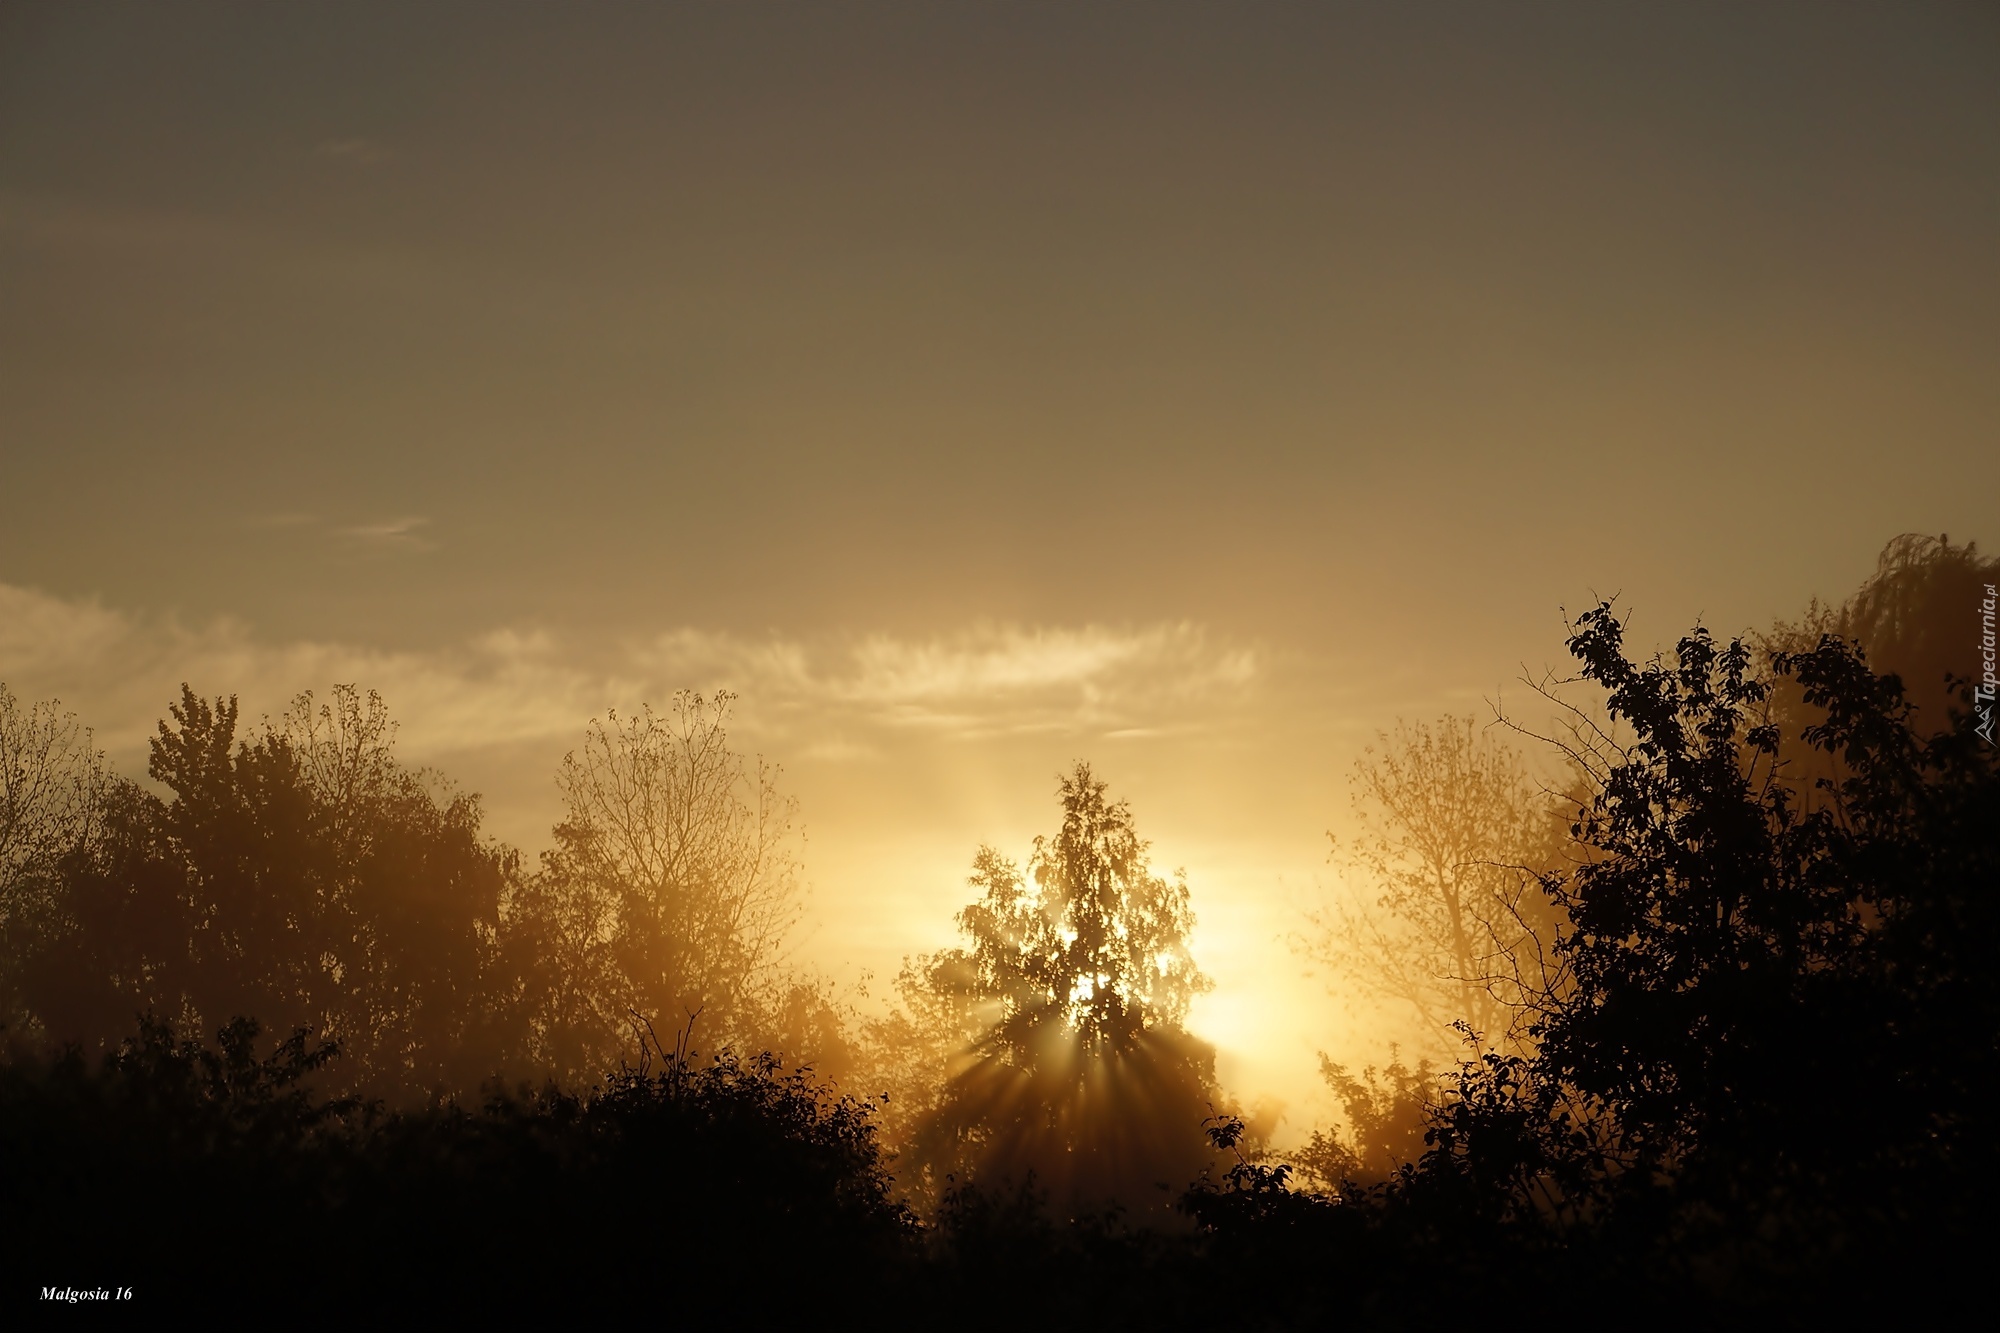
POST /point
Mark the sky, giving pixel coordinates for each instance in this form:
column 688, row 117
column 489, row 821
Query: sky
column 972, row 389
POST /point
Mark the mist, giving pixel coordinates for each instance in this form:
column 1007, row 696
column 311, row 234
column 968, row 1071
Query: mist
column 563, row 576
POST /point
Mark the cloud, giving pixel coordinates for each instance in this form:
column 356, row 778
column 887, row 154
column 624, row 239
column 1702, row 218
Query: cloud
column 389, row 535
column 983, row 681
column 119, row 671
column 45, row 636
column 834, row 699
column 382, row 536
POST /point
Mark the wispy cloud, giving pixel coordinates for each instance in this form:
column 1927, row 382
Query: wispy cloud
column 403, row 533
column 985, row 680
column 833, row 700
column 388, row 535
column 118, row 671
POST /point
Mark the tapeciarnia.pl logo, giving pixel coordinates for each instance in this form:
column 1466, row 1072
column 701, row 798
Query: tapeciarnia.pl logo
column 1982, row 694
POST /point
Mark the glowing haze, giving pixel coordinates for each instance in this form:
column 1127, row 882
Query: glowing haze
column 972, row 389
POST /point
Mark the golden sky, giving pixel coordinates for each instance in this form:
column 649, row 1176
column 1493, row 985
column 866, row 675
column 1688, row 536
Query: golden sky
column 973, row 388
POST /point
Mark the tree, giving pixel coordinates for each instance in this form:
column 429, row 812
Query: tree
column 1916, row 617
column 1776, row 1051
column 671, row 889
column 303, row 878
column 556, row 934
column 1451, row 836
column 53, row 784
column 700, row 1184
column 1388, row 1112
column 1077, row 981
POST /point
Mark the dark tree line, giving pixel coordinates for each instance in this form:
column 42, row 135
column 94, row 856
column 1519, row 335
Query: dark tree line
column 301, row 875
column 1750, row 1076
column 209, row 1177
column 1766, row 1087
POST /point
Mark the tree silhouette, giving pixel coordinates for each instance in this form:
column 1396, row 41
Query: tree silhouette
column 1777, row 1046
column 1916, row 617
column 177, row 1165
column 1388, row 1112
column 1078, row 979
column 303, row 877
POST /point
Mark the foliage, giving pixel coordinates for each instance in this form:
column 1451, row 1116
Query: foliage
column 175, row 1165
column 53, row 785
column 1778, row 1050
column 1099, row 946
column 1452, row 838
column 51, row 789
column 1914, row 617
column 1749, row 1072
column 670, row 890
column 305, row 877
column 1388, row 1113
column 1080, row 1072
